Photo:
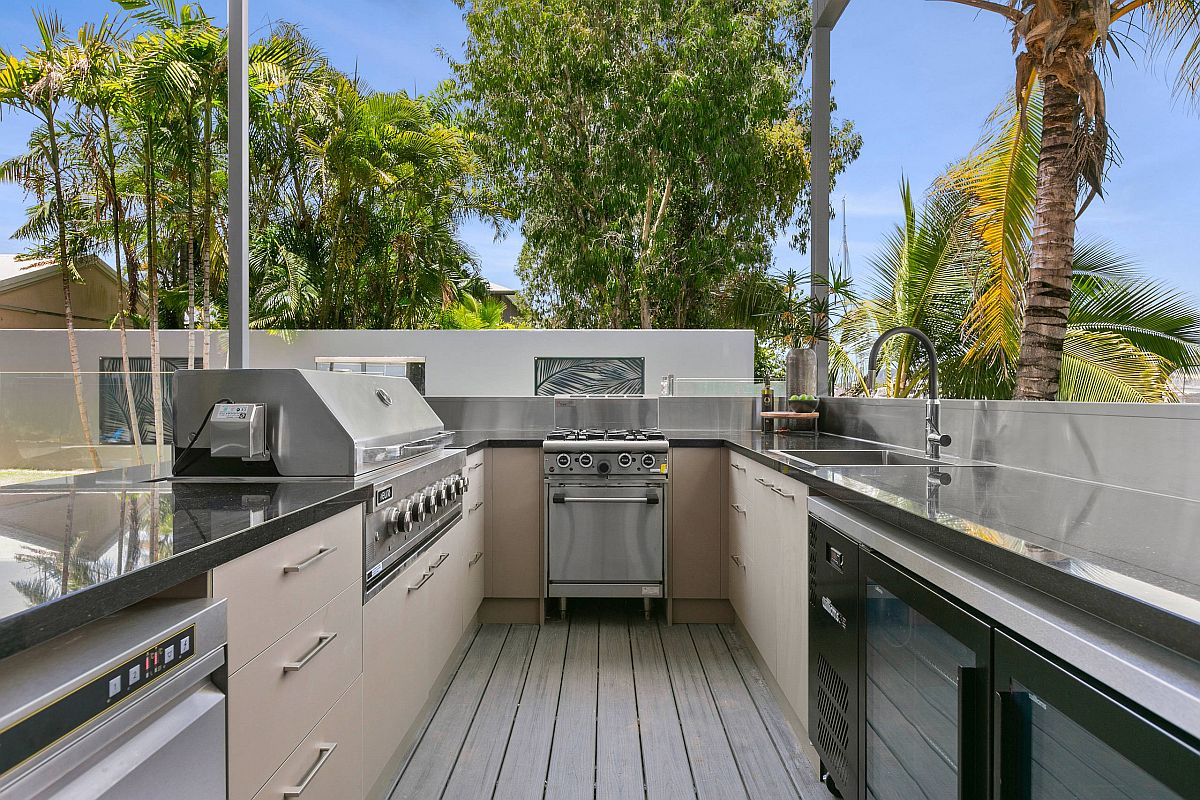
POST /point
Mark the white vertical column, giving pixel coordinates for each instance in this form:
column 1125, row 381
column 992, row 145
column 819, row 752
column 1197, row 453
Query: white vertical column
column 239, row 186
column 819, row 241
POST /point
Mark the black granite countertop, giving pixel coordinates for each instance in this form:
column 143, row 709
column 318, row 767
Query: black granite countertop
column 78, row 548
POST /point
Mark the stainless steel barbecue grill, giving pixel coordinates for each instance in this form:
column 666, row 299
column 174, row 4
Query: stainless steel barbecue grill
column 288, row 424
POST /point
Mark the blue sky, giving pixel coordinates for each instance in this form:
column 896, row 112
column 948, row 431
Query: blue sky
column 918, row 78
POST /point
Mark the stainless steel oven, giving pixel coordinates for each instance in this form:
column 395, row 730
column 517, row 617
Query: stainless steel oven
column 610, row 535
column 606, row 501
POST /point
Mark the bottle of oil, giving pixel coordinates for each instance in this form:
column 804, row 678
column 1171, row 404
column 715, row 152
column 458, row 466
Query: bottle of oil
column 768, row 404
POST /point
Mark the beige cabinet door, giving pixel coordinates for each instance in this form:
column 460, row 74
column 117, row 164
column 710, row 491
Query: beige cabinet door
column 328, row 763
column 792, row 672
column 513, row 560
column 762, row 572
column 397, row 665
column 695, row 525
column 736, row 564
column 473, row 560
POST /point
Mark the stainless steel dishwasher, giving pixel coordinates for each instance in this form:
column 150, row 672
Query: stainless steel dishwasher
column 127, row 706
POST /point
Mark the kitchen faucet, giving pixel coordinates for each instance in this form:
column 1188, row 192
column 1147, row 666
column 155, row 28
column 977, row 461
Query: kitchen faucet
column 935, row 440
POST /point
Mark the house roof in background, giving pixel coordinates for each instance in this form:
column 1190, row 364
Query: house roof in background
column 16, row 273
column 497, row 289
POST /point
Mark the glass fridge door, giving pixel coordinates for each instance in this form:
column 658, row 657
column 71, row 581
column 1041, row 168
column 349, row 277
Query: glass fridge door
column 926, row 691
column 1063, row 737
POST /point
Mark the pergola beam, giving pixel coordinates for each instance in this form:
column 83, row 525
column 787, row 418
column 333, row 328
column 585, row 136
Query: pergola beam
column 826, row 14
column 239, row 186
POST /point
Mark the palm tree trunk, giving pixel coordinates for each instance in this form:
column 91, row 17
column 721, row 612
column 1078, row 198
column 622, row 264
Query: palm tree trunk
column 207, row 239
column 1048, row 289
column 64, row 269
column 191, row 238
column 152, row 279
column 135, row 426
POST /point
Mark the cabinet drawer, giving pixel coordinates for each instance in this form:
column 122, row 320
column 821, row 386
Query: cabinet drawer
column 739, row 475
column 276, row 699
column 328, row 763
column 277, row 586
column 476, row 474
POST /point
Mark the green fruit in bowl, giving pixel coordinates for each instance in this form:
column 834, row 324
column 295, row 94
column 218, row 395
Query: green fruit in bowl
column 795, row 397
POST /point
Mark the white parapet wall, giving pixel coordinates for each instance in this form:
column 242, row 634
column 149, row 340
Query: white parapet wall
column 459, row 363
column 39, row 420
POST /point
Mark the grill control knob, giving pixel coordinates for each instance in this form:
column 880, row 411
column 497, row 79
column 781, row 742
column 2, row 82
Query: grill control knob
column 439, row 494
column 399, row 519
column 563, row 460
column 456, row 486
column 465, row 484
column 585, row 460
column 418, row 507
column 427, row 500
column 649, row 461
column 625, row 460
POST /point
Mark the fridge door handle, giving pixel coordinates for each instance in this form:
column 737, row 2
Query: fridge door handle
column 972, row 732
column 1013, row 753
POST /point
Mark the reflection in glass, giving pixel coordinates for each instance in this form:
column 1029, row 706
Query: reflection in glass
column 1067, row 761
column 912, row 702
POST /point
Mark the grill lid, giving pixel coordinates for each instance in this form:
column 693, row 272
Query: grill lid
column 317, row 423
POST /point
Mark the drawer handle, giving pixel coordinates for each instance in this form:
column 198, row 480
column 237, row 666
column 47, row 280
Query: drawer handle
column 738, row 467
column 424, row 577
column 738, row 560
column 475, row 559
column 323, row 755
column 737, row 508
column 474, row 467
column 782, row 493
column 476, row 507
column 308, row 562
column 441, row 560
column 765, row 483
column 322, row 642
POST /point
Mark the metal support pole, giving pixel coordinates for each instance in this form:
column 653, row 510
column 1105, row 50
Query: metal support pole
column 819, row 242
column 239, row 186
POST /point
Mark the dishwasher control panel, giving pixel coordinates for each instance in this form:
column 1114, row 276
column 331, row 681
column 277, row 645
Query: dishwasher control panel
column 53, row 721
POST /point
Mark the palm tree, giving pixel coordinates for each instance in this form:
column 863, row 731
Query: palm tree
column 37, row 86
column 1060, row 44
column 1125, row 336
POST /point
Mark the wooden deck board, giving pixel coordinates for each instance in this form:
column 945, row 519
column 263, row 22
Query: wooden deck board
column 618, row 745
column 762, row 769
column 714, row 769
column 572, row 771
column 482, row 754
column 523, row 776
column 668, row 775
column 429, row 768
column 606, row 706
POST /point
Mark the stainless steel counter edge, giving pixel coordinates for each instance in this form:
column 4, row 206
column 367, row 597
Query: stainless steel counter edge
column 1159, row 679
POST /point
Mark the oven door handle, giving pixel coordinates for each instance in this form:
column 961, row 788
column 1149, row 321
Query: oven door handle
column 651, row 500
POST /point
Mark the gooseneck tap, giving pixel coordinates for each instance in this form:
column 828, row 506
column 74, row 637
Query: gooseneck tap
column 935, row 440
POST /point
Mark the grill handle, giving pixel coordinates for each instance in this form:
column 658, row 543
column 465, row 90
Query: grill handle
column 652, row 500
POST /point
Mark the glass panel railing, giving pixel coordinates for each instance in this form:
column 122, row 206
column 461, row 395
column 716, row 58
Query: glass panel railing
column 42, row 422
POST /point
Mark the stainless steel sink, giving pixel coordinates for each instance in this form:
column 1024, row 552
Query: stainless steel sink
column 861, row 458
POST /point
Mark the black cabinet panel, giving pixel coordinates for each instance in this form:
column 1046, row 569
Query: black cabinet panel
column 1061, row 736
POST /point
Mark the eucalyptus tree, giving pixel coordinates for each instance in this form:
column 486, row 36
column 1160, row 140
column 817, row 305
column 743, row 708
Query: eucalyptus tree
column 1061, row 43
column 37, row 85
column 653, row 149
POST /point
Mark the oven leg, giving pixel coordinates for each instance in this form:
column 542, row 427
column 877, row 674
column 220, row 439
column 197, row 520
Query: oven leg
column 562, row 608
column 646, row 607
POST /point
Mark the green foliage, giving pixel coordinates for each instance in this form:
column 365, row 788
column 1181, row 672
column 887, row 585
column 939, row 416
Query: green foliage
column 655, row 150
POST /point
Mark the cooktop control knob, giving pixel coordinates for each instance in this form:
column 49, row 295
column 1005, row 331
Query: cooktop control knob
column 456, row 484
column 649, row 461
column 427, row 499
column 585, row 460
column 625, row 461
column 563, row 460
column 399, row 519
column 418, row 507
column 439, row 494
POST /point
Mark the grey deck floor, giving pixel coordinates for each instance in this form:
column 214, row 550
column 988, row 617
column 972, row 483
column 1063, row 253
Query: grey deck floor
column 607, row 705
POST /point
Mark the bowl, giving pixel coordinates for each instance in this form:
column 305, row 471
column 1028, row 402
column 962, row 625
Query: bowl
column 803, row 406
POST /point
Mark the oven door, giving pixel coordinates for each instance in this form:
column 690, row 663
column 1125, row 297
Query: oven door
column 605, row 534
